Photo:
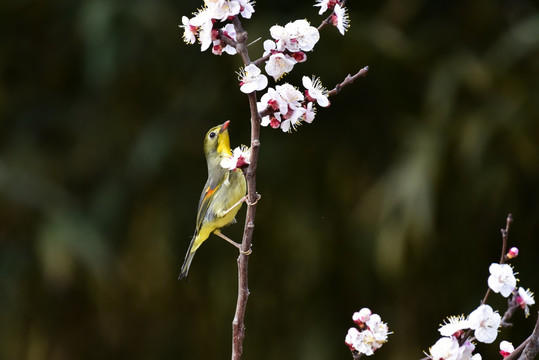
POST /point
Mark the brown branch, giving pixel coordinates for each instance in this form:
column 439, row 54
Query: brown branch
column 505, row 234
column 227, row 40
column 532, row 347
column 529, row 347
column 512, row 306
column 348, row 80
column 238, row 327
column 261, row 60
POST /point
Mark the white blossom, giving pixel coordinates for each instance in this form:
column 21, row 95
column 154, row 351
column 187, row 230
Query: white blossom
column 302, row 36
column 240, row 157
column 315, row 91
column 246, row 8
column 446, row 348
column 290, row 94
column 189, row 30
column 373, row 335
column 485, row 322
column 454, row 325
column 295, row 36
column 310, row 113
column 379, row 330
column 506, row 348
column 340, row 18
column 525, row 299
column 501, row 279
column 352, row 338
column 222, row 9
column 465, row 351
column 278, row 65
column 251, row 79
column 324, row 5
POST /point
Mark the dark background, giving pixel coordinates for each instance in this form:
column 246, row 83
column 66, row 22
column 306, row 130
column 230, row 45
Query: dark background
column 392, row 199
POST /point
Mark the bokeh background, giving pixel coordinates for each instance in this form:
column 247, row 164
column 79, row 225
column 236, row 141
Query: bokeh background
column 392, row 199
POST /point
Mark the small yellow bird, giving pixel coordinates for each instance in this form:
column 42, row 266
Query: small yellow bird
column 221, row 197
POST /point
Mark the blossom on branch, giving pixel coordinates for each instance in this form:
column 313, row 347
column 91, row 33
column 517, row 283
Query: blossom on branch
column 219, row 46
column 222, row 9
column 289, row 107
column 506, row 348
column 524, row 300
column 373, row 335
column 362, row 316
column 501, row 279
column 314, row 91
column 278, row 65
column 287, row 103
column 309, row 114
column 485, row 322
column 325, row 5
column 445, row 348
column 251, row 79
column 246, row 8
column 288, row 47
column 340, row 19
column 295, row 36
column 454, row 326
column 190, row 31
column 201, row 25
column 448, row 348
column 241, row 157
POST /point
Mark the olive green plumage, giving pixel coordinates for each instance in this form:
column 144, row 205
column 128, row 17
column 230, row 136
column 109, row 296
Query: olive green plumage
column 223, row 189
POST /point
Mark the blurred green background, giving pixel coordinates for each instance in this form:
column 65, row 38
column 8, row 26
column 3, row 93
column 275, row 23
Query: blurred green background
column 392, row 199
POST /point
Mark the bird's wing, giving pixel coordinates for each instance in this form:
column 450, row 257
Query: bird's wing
column 206, row 198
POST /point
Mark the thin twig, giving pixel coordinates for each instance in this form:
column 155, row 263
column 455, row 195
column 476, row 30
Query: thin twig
column 512, row 306
column 348, row 80
column 505, row 235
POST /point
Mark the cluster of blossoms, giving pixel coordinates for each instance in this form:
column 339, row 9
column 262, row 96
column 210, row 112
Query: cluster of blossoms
column 484, row 321
column 288, row 46
column 289, row 106
column 202, row 25
column 339, row 18
column 240, row 158
column 370, row 336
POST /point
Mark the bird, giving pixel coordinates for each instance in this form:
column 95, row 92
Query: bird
column 222, row 196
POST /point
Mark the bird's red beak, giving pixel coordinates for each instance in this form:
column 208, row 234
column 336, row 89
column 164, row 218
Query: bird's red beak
column 225, row 126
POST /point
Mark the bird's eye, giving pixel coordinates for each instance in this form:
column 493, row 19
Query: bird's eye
column 212, row 135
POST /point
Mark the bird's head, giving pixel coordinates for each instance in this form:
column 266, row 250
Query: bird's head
column 217, row 142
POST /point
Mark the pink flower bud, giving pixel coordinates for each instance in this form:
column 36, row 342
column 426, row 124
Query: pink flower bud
column 513, row 253
column 362, row 316
column 299, row 56
column 274, row 104
column 274, row 122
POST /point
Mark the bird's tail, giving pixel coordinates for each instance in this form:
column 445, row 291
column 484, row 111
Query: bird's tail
column 188, row 258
